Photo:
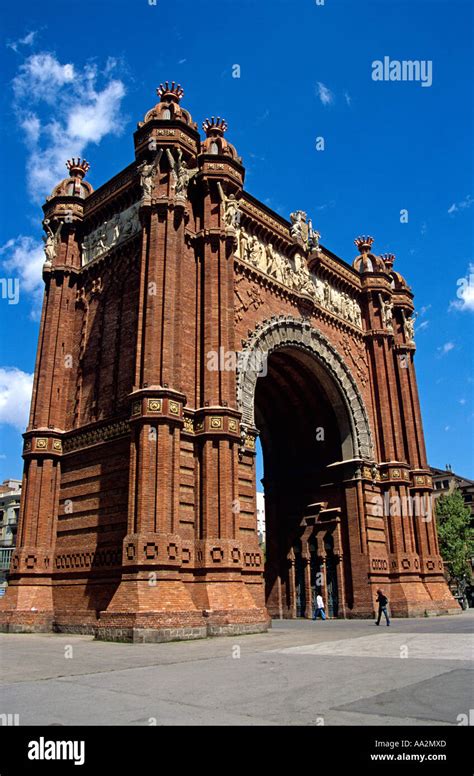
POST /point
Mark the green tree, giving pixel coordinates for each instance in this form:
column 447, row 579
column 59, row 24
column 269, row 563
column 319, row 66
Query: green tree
column 455, row 535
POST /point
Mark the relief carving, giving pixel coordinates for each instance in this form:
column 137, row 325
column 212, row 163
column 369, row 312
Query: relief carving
column 296, row 275
column 111, row 233
column 252, row 298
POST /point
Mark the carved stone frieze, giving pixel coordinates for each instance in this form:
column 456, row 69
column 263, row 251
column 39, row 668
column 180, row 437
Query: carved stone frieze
column 111, row 233
column 295, row 275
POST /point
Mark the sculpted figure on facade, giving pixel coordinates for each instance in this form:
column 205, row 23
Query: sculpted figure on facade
column 242, row 243
column 313, row 237
column 180, row 173
column 319, row 290
column 230, row 207
column 409, row 328
column 112, row 231
column 274, row 264
column 357, row 313
column 51, row 241
column 269, row 258
column 253, row 251
column 386, row 309
column 147, row 176
column 299, row 228
column 128, row 222
column 346, row 313
column 302, row 279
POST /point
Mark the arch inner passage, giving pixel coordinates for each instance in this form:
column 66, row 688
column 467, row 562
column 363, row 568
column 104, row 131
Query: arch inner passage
column 303, row 428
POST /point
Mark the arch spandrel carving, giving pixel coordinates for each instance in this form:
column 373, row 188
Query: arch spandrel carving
column 335, row 376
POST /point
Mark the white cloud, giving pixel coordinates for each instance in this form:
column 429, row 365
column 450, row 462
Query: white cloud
column 23, row 257
column 15, row 396
column 465, row 293
column 421, row 314
column 31, row 125
column 61, row 109
column 326, row 205
column 348, row 98
column 324, row 93
column 28, row 40
column 463, row 205
column 41, row 76
column 90, row 123
column 446, row 348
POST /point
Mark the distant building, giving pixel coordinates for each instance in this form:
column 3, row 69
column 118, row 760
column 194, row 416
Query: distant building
column 261, row 518
column 10, row 492
column 445, row 481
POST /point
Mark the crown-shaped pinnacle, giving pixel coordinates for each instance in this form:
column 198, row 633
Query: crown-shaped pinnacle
column 77, row 168
column 363, row 243
column 167, row 92
column 214, row 126
column 388, row 259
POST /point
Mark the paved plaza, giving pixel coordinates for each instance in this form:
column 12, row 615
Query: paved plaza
column 417, row 672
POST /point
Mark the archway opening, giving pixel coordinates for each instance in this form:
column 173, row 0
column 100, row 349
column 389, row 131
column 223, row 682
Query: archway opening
column 304, row 428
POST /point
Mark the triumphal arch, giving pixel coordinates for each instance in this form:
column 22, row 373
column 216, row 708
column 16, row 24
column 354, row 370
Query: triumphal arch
column 182, row 320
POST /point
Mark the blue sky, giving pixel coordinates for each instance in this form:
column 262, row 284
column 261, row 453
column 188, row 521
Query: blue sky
column 77, row 76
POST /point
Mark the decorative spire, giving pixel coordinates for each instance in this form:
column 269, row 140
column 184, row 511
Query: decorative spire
column 364, row 244
column 388, row 258
column 166, row 92
column 77, row 168
column 214, row 126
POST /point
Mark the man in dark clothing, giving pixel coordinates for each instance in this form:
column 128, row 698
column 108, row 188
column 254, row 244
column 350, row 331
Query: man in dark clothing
column 382, row 601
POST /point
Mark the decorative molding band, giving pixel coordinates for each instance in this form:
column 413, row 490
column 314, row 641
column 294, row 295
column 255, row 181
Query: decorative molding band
column 96, row 436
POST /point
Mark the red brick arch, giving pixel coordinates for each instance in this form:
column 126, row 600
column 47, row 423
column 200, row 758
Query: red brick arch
column 284, row 331
column 138, row 518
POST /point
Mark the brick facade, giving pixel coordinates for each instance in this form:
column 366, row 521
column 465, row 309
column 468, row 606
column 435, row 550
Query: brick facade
column 138, row 516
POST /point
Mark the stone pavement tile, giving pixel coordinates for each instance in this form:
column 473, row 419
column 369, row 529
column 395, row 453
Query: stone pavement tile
column 298, row 674
column 423, row 646
column 347, row 718
column 255, row 689
column 72, row 703
column 442, row 697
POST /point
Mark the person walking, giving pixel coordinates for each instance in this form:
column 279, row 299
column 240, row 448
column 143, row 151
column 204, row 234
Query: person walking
column 319, row 608
column 382, row 601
